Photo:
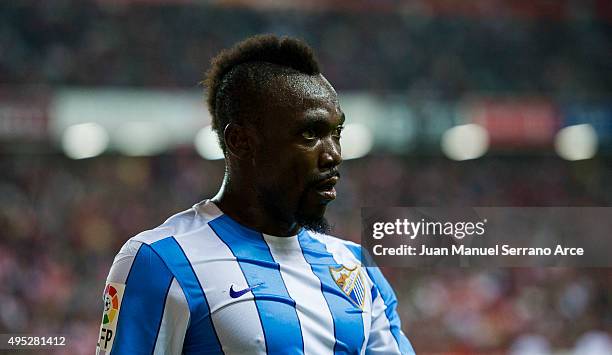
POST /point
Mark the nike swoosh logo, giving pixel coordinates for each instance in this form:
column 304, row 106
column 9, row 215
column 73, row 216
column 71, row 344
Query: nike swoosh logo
column 236, row 294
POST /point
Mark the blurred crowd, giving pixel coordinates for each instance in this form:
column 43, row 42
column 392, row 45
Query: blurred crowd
column 132, row 43
column 62, row 222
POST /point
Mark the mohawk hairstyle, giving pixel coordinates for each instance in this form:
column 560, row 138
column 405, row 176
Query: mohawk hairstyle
column 238, row 73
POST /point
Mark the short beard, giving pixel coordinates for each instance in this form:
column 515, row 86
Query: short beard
column 316, row 224
column 271, row 201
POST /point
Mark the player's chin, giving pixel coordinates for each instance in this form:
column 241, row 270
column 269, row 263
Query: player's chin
column 314, row 205
column 316, row 212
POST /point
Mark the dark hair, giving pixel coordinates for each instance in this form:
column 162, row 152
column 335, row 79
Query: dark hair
column 241, row 72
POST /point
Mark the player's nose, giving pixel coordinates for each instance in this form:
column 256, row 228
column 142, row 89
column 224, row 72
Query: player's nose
column 330, row 156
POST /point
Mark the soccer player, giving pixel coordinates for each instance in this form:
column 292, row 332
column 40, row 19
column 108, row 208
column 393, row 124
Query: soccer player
column 252, row 270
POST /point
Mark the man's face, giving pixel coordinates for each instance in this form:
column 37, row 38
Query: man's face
column 298, row 150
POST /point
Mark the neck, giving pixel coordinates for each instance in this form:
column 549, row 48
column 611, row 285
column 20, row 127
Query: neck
column 239, row 201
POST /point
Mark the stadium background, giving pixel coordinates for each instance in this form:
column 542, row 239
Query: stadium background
column 479, row 103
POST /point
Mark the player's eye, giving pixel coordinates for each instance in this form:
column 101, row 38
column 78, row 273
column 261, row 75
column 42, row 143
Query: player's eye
column 309, row 134
column 338, row 132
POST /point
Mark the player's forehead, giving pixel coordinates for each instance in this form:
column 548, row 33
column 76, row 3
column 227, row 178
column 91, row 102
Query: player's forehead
column 306, row 87
column 298, row 96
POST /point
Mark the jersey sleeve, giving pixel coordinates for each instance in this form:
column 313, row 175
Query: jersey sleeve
column 145, row 309
column 386, row 335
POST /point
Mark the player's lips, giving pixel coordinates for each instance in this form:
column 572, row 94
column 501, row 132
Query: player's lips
column 325, row 188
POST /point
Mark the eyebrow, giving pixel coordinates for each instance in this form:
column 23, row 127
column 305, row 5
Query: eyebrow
column 309, row 120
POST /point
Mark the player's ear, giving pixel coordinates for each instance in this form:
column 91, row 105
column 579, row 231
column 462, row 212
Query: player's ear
column 238, row 140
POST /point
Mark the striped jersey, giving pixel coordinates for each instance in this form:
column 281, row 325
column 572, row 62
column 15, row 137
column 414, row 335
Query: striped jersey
column 201, row 283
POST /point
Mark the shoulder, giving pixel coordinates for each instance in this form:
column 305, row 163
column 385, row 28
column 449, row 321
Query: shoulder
column 188, row 221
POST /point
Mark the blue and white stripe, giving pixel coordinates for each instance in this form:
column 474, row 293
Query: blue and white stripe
column 276, row 308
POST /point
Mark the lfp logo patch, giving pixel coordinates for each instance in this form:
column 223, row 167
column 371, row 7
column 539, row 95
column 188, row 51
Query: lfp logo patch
column 113, row 294
column 351, row 282
column 111, row 304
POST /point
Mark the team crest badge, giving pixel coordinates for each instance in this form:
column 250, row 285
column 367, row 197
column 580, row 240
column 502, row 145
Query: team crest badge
column 351, row 282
